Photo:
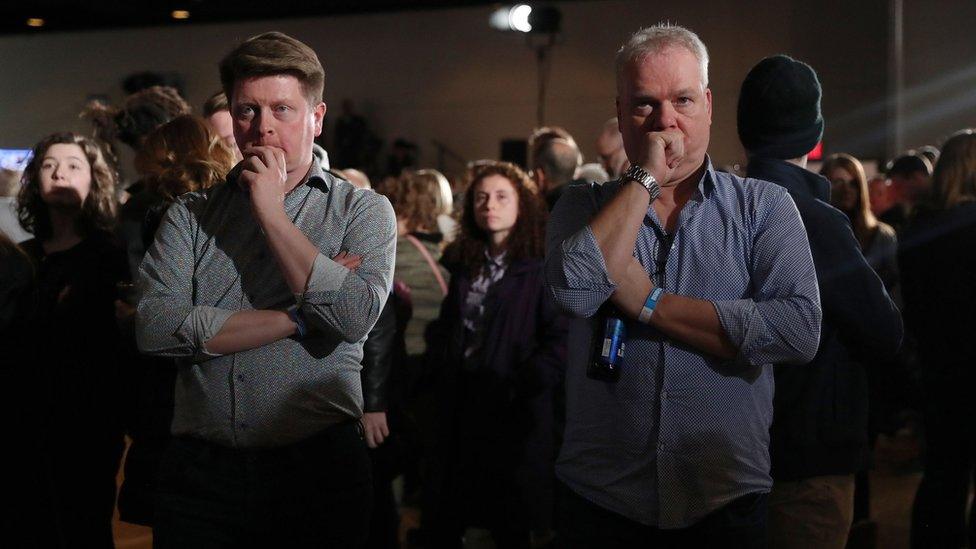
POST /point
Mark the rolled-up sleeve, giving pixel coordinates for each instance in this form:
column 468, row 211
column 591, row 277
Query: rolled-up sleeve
column 780, row 323
column 347, row 303
column 167, row 321
column 576, row 272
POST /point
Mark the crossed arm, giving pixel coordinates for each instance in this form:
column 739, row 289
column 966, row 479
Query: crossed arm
column 590, row 260
column 342, row 296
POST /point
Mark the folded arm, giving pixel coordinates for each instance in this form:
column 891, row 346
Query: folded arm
column 167, row 321
column 347, row 303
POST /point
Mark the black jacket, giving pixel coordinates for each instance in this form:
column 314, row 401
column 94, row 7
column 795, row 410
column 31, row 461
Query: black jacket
column 379, row 351
column 498, row 420
column 935, row 257
column 820, row 411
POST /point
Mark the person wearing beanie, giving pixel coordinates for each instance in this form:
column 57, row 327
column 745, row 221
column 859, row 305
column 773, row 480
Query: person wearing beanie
column 819, row 435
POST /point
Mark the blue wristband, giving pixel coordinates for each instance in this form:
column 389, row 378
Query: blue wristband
column 295, row 314
column 649, row 305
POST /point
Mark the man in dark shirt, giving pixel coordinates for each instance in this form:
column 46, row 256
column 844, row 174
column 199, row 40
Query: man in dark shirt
column 819, row 436
column 554, row 158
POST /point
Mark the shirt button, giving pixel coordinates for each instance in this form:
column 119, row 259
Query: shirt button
column 240, row 377
column 243, row 425
column 664, row 395
column 660, row 445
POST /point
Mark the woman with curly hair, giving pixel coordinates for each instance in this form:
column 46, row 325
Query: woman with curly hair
column 498, row 349
column 68, row 201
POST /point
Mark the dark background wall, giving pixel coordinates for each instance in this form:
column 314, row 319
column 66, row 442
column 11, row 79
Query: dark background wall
column 444, row 75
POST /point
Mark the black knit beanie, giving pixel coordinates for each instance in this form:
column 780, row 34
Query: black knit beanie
column 779, row 109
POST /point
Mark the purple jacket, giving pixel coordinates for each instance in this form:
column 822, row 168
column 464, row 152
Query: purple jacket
column 499, row 422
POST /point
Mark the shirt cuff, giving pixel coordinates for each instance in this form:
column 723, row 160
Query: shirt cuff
column 201, row 325
column 738, row 318
column 324, row 282
column 583, row 261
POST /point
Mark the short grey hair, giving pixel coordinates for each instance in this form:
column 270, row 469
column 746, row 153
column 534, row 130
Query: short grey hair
column 658, row 38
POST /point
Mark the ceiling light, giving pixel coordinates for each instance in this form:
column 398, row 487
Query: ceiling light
column 35, row 22
column 180, row 14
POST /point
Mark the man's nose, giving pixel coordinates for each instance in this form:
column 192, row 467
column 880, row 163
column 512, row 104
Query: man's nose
column 666, row 116
column 266, row 123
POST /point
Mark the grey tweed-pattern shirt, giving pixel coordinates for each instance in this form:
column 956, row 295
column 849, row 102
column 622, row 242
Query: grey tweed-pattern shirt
column 210, row 259
column 681, row 433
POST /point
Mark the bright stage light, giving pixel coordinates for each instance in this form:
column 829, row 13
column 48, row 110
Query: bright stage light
column 518, row 18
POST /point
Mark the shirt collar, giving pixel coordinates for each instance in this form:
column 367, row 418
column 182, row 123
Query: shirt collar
column 495, row 261
column 708, row 179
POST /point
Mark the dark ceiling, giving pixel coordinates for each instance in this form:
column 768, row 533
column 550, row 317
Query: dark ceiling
column 64, row 15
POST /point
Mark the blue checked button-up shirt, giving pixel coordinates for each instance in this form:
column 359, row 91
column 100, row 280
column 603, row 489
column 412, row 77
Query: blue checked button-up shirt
column 681, row 434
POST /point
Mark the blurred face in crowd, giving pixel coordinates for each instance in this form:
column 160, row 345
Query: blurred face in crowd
column 665, row 91
column 879, row 194
column 912, row 187
column 610, row 149
column 223, row 125
column 273, row 111
column 66, row 176
column 843, row 190
column 496, row 206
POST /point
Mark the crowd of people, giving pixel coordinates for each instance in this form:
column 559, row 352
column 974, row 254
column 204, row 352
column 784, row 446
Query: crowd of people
column 284, row 344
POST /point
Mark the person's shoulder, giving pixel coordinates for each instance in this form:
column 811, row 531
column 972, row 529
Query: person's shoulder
column 886, row 231
column 581, row 195
column 364, row 199
column 748, row 199
column 750, row 190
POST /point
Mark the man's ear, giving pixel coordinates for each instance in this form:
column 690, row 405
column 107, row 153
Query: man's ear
column 319, row 113
column 540, row 179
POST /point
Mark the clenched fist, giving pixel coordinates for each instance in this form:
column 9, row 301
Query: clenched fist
column 660, row 153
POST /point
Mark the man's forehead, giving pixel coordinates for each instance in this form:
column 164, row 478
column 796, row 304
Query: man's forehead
column 674, row 65
column 272, row 86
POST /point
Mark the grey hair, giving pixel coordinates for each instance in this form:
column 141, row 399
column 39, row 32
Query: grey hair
column 658, row 38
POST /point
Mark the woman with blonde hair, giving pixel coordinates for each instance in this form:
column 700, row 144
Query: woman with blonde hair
column 849, row 194
column 76, row 349
column 938, row 268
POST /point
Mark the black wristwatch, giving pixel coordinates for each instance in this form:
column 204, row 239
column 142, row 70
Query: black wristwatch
column 640, row 175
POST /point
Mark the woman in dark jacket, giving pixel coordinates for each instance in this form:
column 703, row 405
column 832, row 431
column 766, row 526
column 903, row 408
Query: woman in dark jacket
column 75, row 350
column 498, row 348
column 938, row 268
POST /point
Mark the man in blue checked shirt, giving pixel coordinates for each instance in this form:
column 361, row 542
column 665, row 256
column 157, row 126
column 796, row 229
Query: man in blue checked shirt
column 714, row 276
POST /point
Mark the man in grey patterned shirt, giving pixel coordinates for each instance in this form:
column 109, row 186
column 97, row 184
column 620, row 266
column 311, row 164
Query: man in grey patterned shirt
column 267, row 330
column 714, row 277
